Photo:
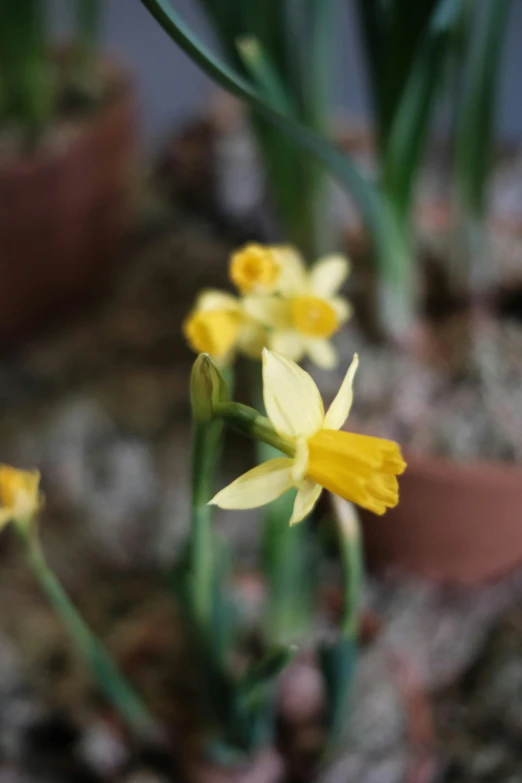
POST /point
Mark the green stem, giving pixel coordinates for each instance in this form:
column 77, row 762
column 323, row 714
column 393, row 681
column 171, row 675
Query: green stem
column 353, row 566
column 110, row 680
column 287, row 566
column 249, row 422
column 206, row 451
column 285, row 553
column 339, row 659
column 397, row 294
column 205, row 454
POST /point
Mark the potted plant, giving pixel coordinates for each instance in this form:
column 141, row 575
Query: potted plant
column 67, row 145
column 248, row 694
column 459, row 519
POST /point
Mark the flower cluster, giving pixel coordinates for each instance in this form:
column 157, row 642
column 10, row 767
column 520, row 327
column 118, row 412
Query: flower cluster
column 281, row 305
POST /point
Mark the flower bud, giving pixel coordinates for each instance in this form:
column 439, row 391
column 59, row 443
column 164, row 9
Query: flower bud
column 207, row 388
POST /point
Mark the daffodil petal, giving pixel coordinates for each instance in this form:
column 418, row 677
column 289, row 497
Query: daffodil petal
column 342, row 308
column 322, row 353
column 301, row 458
column 306, row 498
column 338, row 411
column 292, row 400
column 293, row 278
column 258, row 486
column 212, row 299
column 288, row 343
column 268, row 310
column 328, row 275
column 252, row 339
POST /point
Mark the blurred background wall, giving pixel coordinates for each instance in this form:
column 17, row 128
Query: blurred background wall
column 172, row 89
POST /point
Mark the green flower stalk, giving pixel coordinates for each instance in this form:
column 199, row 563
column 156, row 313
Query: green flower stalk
column 208, row 390
column 356, row 468
column 338, row 659
column 20, row 502
column 111, row 682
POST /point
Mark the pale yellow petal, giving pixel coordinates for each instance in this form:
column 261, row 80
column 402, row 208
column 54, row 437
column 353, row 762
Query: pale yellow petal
column 322, row 353
column 301, row 458
column 306, row 498
column 292, row 400
column 212, row 299
column 328, row 275
column 340, row 408
column 342, row 307
column 268, row 310
column 293, row 278
column 258, row 486
column 288, row 343
column 252, row 339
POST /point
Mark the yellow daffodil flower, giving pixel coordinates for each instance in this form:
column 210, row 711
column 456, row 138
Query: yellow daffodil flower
column 358, row 468
column 309, row 311
column 19, row 495
column 256, row 269
column 219, row 325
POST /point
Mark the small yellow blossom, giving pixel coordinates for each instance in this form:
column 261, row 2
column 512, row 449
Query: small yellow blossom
column 19, row 494
column 358, row 468
column 219, row 325
column 255, row 269
column 212, row 332
column 308, row 312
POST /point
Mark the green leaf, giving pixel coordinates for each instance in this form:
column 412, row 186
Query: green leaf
column 337, row 663
column 258, row 64
column 409, row 128
column 373, row 31
column 475, row 125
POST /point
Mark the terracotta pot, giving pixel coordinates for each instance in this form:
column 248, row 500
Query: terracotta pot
column 455, row 523
column 65, row 213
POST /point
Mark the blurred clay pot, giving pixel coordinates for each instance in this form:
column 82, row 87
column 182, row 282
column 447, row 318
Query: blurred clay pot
column 455, row 523
column 65, row 212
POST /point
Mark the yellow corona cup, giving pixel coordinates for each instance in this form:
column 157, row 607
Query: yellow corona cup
column 255, row 269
